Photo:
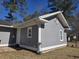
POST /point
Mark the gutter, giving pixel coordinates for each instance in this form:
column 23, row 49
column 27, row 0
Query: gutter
column 6, row 26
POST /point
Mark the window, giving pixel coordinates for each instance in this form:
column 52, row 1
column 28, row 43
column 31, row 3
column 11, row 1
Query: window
column 29, row 32
column 61, row 35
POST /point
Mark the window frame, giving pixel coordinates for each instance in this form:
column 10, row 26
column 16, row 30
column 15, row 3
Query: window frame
column 28, row 29
column 61, row 35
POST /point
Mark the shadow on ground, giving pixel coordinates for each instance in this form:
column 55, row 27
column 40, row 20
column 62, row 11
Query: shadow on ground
column 74, row 56
column 18, row 48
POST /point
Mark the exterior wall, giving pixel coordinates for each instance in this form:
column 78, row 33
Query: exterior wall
column 29, row 43
column 7, row 36
column 50, row 34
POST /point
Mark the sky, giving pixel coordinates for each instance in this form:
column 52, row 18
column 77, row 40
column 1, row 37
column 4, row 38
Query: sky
column 33, row 5
column 77, row 9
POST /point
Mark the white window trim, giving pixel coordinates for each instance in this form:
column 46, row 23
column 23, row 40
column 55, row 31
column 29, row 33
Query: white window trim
column 28, row 32
column 61, row 37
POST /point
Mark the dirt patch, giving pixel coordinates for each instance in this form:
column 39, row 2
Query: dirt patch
column 62, row 53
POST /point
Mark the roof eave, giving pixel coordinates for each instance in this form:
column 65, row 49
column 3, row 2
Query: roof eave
column 6, row 26
column 59, row 13
column 32, row 22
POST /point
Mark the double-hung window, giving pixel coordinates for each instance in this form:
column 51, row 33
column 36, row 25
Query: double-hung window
column 29, row 32
column 61, row 35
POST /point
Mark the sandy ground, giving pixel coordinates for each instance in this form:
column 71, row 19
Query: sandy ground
column 62, row 53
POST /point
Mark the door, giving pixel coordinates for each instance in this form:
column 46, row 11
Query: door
column 4, row 37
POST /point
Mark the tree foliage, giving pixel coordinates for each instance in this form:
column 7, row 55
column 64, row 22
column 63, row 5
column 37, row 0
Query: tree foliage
column 67, row 6
column 14, row 6
column 75, row 22
column 34, row 15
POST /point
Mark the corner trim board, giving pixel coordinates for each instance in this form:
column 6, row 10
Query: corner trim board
column 53, row 47
column 18, row 36
column 39, row 34
column 39, row 38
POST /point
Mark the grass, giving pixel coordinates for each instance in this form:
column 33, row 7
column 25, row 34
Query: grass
column 62, row 53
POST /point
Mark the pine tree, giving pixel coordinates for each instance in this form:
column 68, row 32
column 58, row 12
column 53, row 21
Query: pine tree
column 14, row 6
column 67, row 6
